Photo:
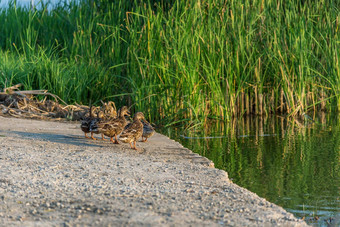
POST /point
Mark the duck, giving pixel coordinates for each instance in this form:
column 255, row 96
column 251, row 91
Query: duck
column 85, row 123
column 148, row 131
column 134, row 131
column 94, row 125
column 109, row 110
column 113, row 127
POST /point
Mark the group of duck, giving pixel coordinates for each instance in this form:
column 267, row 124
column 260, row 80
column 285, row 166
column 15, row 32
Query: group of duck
column 106, row 121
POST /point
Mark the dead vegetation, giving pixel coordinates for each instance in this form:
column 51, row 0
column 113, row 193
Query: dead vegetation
column 40, row 104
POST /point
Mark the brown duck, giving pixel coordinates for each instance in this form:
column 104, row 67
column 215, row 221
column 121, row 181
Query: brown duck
column 112, row 128
column 134, row 131
column 109, row 110
column 148, row 131
column 94, row 125
column 85, row 124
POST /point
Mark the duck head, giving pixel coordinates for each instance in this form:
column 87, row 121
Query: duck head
column 138, row 116
column 124, row 111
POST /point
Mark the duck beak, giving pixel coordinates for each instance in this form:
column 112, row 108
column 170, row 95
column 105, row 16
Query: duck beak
column 128, row 113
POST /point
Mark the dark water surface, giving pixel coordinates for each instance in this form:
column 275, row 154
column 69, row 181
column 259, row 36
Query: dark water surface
column 292, row 163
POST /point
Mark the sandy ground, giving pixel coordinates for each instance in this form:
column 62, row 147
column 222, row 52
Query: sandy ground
column 50, row 175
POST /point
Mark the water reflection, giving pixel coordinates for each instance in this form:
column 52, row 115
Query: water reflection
column 293, row 163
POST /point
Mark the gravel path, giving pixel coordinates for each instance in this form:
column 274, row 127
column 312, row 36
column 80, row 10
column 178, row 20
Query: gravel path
column 50, row 175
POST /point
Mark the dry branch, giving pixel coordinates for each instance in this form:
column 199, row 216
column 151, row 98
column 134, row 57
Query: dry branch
column 26, row 104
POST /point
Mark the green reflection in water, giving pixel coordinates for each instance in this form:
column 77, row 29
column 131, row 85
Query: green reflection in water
column 295, row 164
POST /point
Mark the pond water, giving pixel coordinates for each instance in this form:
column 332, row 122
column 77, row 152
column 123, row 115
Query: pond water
column 292, row 163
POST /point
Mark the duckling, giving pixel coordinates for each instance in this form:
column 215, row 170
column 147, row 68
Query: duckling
column 85, row 124
column 112, row 128
column 134, row 131
column 148, row 131
column 94, row 125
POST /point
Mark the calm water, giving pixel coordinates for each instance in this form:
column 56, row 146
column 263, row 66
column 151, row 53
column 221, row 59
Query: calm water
column 295, row 164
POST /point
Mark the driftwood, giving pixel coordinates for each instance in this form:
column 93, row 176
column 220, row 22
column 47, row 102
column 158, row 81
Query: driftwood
column 25, row 104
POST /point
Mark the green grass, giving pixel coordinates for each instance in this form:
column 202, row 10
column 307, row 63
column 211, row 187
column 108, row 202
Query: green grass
column 180, row 61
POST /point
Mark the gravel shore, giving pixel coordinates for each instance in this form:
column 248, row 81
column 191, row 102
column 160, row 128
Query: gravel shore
column 50, row 175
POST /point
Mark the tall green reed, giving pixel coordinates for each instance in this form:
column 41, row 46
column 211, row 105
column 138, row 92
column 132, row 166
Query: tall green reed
column 182, row 61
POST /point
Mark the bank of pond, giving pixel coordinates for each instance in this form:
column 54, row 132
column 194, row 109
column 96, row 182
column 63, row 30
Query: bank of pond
column 294, row 163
